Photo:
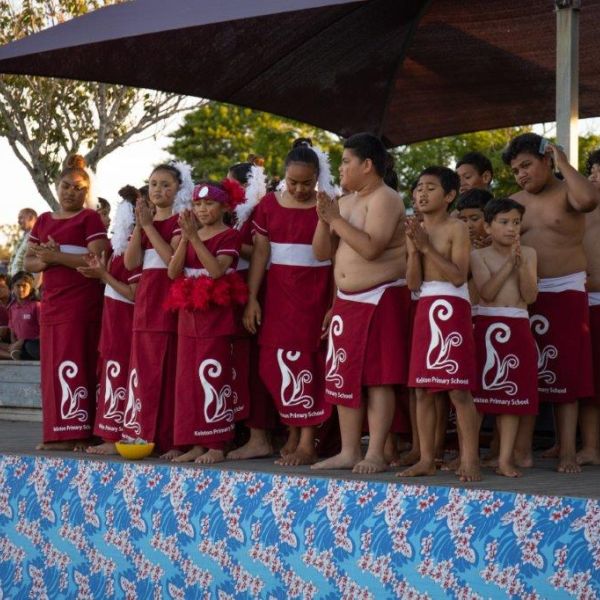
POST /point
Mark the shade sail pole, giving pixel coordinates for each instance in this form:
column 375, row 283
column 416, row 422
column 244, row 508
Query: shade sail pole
column 567, row 77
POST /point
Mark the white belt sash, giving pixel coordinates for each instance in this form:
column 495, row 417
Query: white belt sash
column 110, row 292
column 444, row 288
column 510, row 312
column 152, row 260
column 574, row 282
column 371, row 296
column 295, row 255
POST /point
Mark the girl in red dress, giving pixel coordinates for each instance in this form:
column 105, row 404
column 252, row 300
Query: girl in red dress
column 70, row 310
column 207, row 255
column 149, row 408
column 259, row 413
column 117, row 322
column 298, row 296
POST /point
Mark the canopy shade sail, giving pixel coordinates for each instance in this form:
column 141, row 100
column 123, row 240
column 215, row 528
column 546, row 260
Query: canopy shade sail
column 405, row 70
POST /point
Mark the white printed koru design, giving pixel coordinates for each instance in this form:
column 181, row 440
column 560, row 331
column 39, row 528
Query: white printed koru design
column 496, row 370
column 439, row 346
column 335, row 357
column 69, row 401
column 113, row 397
column 292, row 386
column 133, row 406
column 540, row 326
column 215, row 403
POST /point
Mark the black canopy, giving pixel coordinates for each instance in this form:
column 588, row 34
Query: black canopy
column 406, row 70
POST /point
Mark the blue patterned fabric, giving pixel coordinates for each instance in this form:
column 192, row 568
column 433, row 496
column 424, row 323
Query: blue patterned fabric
column 89, row 529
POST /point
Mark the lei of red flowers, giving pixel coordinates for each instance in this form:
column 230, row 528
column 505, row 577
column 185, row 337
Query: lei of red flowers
column 204, row 292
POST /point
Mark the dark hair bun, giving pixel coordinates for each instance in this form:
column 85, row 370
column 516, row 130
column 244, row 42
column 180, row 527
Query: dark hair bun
column 302, row 142
column 129, row 193
column 75, row 161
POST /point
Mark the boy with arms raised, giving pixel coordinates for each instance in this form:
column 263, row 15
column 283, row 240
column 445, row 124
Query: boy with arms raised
column 442, row 355
column 554, row 225
column 368, row 333
column 505, row 275
column 589, row 418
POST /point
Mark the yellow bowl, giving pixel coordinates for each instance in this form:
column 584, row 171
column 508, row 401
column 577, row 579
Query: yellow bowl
column 134, row 451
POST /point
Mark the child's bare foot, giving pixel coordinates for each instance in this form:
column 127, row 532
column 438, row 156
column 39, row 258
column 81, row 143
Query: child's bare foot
column 251, row 449
column 451, row 465
column 467, row 472
column 588, row 456
column 568, row 465
column 491, row 460
column 508, row 470
column 56, row 446
column 81, row 445
column 171, row 454
column 370, row 464
column 190, row 455
column 552, row 452
column 343, row 460
column 407, row 459
column 390, row 450
column 211, row 456
column 104, row 448
column 300, row 456
column 420, row 469
column 292, row 442
column 523, row 460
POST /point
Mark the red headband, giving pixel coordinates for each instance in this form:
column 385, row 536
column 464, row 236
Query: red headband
column 230, row 192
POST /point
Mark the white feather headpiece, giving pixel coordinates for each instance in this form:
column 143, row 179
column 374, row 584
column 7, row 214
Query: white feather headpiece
column 255, row 190
column 122, row 227
column 324, row 181
column 183, row 199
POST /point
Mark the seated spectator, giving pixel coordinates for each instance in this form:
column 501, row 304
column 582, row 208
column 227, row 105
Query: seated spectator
column 23, row 321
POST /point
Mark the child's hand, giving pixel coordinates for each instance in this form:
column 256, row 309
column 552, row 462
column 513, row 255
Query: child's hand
column 328, row 208
column 252, row 315
column 143, row 214
column 481, row 241
column 326, row 324
column 515, row 253
column 418, row 236
column 188, row 223
column 96, row 267
column 44, row 253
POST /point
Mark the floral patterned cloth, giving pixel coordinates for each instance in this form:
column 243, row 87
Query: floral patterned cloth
column 90, row 529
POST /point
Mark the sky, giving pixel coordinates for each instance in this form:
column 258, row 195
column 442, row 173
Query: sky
column 128, row 165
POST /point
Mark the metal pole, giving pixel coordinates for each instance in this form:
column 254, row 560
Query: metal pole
column 567, row 77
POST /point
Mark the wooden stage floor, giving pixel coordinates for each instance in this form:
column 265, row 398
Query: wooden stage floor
column 21, row 438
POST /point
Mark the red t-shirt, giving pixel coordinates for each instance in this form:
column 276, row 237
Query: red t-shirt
column 24, row 319
column 66, row 294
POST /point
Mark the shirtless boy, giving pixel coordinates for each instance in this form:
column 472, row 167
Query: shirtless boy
column 589, row 417
column 368, row 333
column 505, row 274
column 554, row 225
column 475, row 171
column 442, row 354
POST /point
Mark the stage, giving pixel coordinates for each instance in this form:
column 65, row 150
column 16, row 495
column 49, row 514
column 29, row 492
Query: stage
column 76, row 526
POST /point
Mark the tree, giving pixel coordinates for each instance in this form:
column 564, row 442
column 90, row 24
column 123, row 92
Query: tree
column 410, row 160
column 45, row 120
column 217, row 135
